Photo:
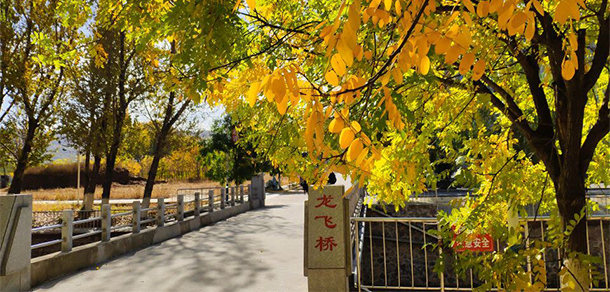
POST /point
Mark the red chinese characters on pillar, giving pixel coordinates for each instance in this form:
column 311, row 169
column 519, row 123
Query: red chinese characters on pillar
column 326, row 201
column 327, row 221
column 325, row 243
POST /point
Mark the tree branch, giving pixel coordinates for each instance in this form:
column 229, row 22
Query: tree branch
column 601, row 52
column 599, row 130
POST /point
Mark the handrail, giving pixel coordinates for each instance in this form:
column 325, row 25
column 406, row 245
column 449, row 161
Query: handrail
column 178, row 210
column 46, row 243
column 120, row 214
column 395, row 219
column 86, row 234
column 42, row 228
column 86, row 220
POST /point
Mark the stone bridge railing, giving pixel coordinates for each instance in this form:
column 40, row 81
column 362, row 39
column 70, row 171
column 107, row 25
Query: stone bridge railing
column 114, row 233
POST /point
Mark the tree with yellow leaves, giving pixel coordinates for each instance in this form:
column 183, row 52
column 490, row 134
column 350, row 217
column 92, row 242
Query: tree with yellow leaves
column 514, row 91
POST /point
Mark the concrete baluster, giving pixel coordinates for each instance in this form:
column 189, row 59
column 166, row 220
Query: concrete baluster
column 211, row 201
column 222, row 198
column 241, row 194
column 160, row 212
column 135, row 217
column 180, row 208
column 106, row 222
column 67, row 229
column 232, row 196
column 196, row 211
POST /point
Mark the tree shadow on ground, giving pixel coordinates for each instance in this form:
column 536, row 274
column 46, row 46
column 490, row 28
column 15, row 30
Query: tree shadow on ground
column 227, row 256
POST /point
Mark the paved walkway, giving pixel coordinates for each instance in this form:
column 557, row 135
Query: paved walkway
column 260, row 250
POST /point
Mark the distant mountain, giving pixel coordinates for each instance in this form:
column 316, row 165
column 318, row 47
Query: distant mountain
column 61, row 150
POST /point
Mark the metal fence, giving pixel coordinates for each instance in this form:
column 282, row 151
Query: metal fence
column 392, row 253
column 75, row 226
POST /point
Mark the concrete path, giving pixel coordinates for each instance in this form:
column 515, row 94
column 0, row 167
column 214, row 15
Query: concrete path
column 260, row 250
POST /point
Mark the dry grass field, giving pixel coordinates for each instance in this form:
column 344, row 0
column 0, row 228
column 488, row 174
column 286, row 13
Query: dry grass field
column 135, row 191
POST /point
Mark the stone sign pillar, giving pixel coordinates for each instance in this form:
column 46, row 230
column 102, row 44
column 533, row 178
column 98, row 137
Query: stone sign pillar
column 257, row 192
column 327, row 246
column 15, row 242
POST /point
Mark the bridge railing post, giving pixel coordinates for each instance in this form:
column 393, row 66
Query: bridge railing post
column 241, row 194
column 106, row 222
column 67, row 227
column 211, row 201
column 135, row 217
column 222, row 198
column 160, row 212
column 180, row 208
column 232, row 196
column 197, row 209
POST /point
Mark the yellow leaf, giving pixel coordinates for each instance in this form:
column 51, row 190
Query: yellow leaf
column 398, row 7
column 464, row 39
column 530, row 29
column 251, row 4
column 368, row 55
column 236, row 6
column 356, row 126
column 466, row 62
column 538, row 7
column 453, row 54
column 155, row 63
column 278, row 87
column 469, row 5
column 442, row 46
column 326, row 31
column 483, row 9
column 354, row 15
column 387, row 5
column 573, row 41
column 567, row 69
column 253, row 93
column 478, row 70
column 362, row 157
column 411, row 173
column 385, row 78
column 332, row 78
column 355, row 148
column 346, row 138
column 338, row 65
column 574, row 59
column 282, row 105
column 518, row 19
column 495, row 5
column 562, row 12
column 336, row 125
column 574, row 11
column 397, row 74
column 424, row 65
column 346, row 53
column 467, row 18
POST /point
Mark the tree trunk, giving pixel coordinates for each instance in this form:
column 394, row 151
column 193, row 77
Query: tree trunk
column 571, row 200
column 111, row 161
column 22, row 162
column 91, row 183
column 152, row 172
column 93, row 175
column 119, row 119
column 87, row 172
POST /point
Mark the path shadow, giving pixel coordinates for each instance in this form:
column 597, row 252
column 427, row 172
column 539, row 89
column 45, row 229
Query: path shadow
column 227, row 256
